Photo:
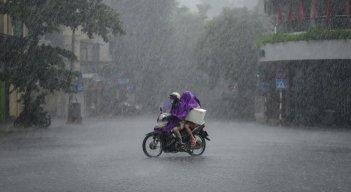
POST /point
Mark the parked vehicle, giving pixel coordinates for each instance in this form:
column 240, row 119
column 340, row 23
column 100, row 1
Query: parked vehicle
column 125, row 108
column 36, row 118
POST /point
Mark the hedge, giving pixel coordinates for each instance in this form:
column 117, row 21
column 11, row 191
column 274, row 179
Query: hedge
column 313, row 34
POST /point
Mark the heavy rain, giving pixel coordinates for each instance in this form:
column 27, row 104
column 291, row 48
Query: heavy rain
column 175, row 95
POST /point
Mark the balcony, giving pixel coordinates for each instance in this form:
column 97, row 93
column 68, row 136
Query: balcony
column 311, row 39
column 333, row 23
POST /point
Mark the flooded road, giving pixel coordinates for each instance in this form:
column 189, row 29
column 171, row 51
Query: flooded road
column 106, row 155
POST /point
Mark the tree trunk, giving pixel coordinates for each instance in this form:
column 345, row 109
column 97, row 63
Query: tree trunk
column 70, row 98
column 73, row 48
column 27, row 101
column 74, row 115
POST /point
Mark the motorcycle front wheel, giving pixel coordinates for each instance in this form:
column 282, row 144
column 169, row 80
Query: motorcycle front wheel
column 45, row 122
column 152, row 145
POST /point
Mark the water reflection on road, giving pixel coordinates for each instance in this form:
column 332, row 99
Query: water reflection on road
column 106, row 155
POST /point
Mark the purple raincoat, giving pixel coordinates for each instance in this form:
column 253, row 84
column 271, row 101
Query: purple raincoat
column 186, row 103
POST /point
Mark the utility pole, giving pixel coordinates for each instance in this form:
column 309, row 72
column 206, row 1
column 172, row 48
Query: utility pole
column 281, row 85
column 281, row 107
column 74, row 108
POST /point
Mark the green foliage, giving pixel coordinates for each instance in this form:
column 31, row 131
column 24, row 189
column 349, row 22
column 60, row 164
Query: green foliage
column 227, row 51
column 93, row 16
column 143, row 54
column 27, row 61
column 34, row 68
column 181, row 71
column 228, row 45
column 313, row 34
column 46, row 16
column 37, row 66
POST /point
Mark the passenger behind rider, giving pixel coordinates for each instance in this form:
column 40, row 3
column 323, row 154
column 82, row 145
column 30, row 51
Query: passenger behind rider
column 194, row 103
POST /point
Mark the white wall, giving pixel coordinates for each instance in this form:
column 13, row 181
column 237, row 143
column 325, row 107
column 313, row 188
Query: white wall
column 307, row 50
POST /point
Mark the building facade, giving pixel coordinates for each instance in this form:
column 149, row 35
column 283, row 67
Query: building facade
column 304, row 69
column 9, row 106
column 95, row 58
column 92, row 56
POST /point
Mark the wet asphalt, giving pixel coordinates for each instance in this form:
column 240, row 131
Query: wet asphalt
column 106, row 155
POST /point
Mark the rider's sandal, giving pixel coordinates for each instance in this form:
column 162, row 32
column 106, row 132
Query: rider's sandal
column 193, row 142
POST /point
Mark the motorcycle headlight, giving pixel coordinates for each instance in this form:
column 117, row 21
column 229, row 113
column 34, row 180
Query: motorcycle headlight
column 161, row 124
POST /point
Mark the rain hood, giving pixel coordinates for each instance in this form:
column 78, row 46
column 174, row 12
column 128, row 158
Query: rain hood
column 186, row 103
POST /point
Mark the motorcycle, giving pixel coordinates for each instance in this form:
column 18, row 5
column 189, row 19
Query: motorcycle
column 158, row 141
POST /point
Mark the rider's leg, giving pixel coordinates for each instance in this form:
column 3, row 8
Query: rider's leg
column 177, row 132
column 188, row 130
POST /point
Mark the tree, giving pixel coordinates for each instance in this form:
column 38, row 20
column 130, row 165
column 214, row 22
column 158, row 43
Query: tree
column 157, row 53
column 187, row 29
column 227, row 51
column 142, row 54
column 46, row 16
column 215, row 8
column 32, row 67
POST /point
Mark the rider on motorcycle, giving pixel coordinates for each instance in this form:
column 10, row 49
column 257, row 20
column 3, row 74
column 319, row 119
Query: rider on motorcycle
column 181, row 106
column 174, row 121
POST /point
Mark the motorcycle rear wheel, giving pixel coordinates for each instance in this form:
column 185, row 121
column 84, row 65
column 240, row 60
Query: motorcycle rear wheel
column 152, row 145
column 200, row 146
column 45, row 122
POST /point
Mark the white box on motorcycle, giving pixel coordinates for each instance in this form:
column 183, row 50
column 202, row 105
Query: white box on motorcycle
column 197, row 116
